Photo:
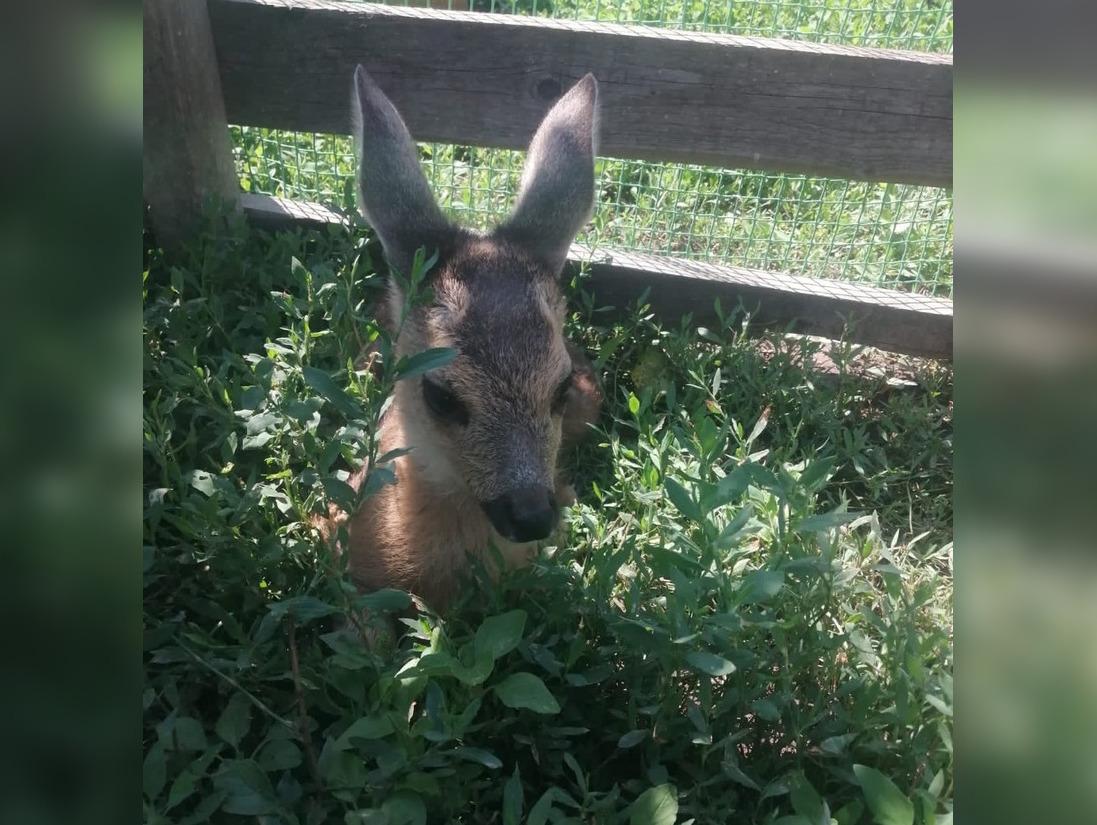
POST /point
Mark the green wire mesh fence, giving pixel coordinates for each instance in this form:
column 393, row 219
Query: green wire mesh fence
column 890, row 235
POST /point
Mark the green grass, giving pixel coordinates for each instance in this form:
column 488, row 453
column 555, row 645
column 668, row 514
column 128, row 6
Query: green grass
column 747, row 616
column 895, row 236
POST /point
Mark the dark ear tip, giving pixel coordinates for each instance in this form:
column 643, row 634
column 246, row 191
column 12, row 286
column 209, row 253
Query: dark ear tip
column 370, row 97
column 588, row 86
column 361, row 77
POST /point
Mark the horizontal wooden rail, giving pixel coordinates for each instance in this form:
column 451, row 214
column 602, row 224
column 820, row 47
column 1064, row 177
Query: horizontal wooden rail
column 895, row 321
column 487, row 79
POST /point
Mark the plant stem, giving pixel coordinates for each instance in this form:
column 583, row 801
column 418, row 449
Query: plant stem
column 302, row 710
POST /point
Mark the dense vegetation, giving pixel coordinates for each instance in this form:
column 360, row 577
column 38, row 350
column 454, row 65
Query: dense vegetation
column 747, row 616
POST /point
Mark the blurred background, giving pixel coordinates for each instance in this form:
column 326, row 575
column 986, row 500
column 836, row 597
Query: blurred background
column 1026, row 355
column 1026, row 363
column 70, row 258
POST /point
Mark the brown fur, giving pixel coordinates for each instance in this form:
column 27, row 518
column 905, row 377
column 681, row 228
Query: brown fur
column 416, row 534
column 491, row 468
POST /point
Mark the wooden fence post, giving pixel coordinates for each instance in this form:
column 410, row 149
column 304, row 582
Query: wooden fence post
column 187, row 155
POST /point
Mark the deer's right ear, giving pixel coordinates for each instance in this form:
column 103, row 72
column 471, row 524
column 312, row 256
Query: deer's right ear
column 393, row 194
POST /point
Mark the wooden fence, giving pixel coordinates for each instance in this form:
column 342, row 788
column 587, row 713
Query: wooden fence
column 486, row 80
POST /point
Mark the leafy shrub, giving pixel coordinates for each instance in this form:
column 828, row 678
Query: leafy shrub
column 716, row 637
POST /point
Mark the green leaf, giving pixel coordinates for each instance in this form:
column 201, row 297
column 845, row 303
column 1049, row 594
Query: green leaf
column 483, row 757
column 939, row 703
column 824, row 521
column 709, row 663
column 341, row 767
column 524, row 690
column 542, row 808
column 155, row 771
column 733, row 528
column 477, row 672
column 323, row 384
column 807, row 802
column 736, row 774
column 513, row 799
column 655, row 806
column 341, row 493
column 888, row 804
column 376, row 479
column 386, row 600
column 258, row 441
column 302, row 608
column 368, row 727
column 728, row 489
column 235, row 720
column 836, row 745
column 425, row 361
column 367, row 816
column 424, row 783
column 681, row 499
column 204, row 809
column 263, row 422
column 816, row 472
column 761, row 585
column 937, row 784
column 763, row 477
column 632, row 738
column 299, row 269
column 850, row 813
column 593, row 676
column 438, row 663
column 405, row 808
column 577, row 772
column 633, row 403
column 499, row 635
column 188, row 734
column 248, row 788
column 766, row 709
column 421, row 264
column 279, row 755
column 183, row 786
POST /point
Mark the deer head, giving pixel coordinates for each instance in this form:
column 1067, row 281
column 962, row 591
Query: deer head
column 488, row 424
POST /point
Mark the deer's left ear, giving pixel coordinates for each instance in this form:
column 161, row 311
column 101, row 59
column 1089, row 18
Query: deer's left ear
column 557, row 190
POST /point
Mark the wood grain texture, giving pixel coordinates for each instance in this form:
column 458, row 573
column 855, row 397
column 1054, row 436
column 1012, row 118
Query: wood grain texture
column 276, row 214
column 895, row 321
column 187, row 154
column 487, row 79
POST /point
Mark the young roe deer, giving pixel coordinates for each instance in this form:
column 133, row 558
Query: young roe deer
column 485, row 430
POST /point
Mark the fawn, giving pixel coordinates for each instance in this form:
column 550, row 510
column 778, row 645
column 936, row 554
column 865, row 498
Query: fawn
column 485, row 431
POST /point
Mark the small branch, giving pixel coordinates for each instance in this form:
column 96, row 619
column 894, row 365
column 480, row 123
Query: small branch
column 302, row 714
column 254, row 700
column 349, row 610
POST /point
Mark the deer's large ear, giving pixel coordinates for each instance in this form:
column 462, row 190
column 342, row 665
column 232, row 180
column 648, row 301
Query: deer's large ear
column 557, row 191
column 393, row 194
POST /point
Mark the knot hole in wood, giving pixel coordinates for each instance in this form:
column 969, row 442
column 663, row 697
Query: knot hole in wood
column 548, row 88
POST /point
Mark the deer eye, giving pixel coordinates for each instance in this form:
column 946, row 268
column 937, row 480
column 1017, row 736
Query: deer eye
column 561, row 396
column 444, row 403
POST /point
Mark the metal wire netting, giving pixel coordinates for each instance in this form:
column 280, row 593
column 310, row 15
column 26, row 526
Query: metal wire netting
column 890, row 235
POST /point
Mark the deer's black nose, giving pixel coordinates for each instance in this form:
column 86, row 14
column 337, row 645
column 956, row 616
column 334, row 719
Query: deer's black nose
column 523, row 514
